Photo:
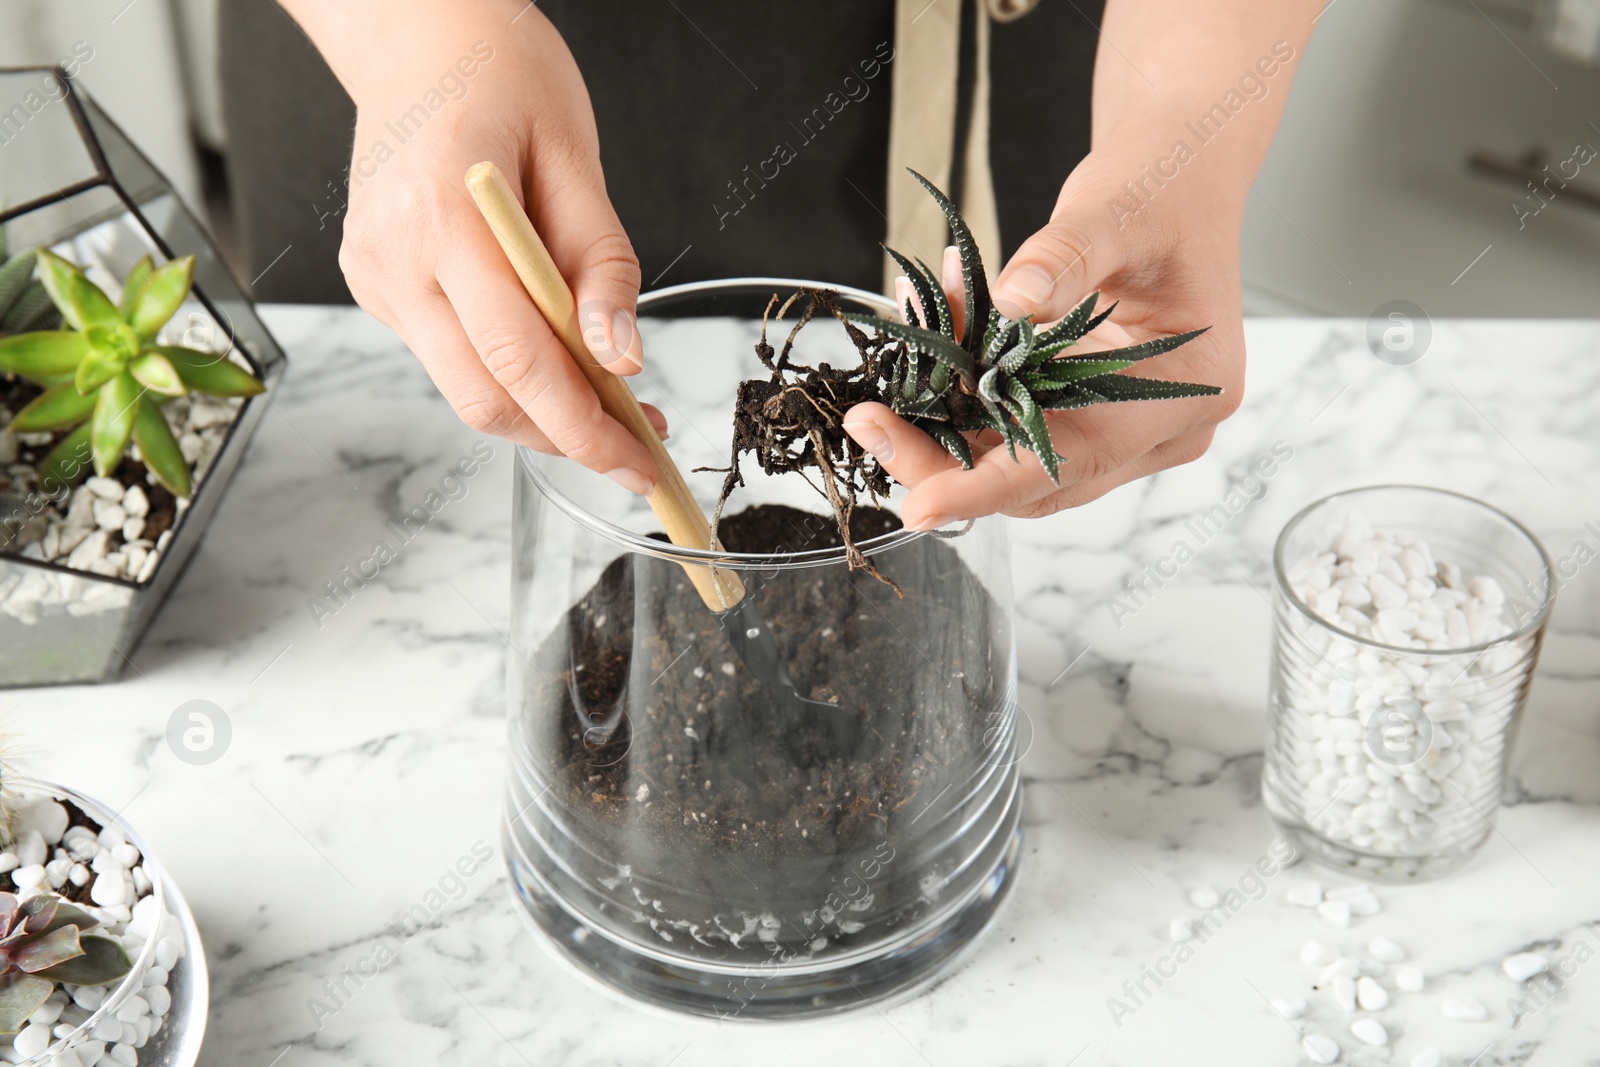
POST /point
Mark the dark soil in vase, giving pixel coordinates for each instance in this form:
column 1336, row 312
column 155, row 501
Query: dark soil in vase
column 694, row 808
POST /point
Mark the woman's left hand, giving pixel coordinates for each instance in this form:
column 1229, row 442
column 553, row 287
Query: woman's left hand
column 1172, row 265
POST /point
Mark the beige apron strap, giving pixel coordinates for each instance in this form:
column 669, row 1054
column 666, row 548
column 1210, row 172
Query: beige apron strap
column 922, row 121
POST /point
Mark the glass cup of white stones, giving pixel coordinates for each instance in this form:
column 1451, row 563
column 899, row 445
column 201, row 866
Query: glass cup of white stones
column 1408, row 621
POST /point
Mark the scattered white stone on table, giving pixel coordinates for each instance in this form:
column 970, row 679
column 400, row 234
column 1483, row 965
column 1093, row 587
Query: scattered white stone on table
column 1343, row 967
column 1370, row 1031
column 1464, row 1009
column 1381, row 948
column 1428, row 1057
column 1203, row 896
column 1370, row 995
column 1290, row 1007
column 1409, row 979
column 1306, row 894
column 1315, row 954
column 1335, row 912
column 1364, row 904
column 1180, row 929
column 1521, row 966
column 1320, row 1048
column 1344, row 991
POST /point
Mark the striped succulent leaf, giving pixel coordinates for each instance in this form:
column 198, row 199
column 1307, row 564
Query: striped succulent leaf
column 1005, row 376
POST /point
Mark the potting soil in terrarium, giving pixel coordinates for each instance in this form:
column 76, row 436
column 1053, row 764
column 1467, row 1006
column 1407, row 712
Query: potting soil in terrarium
column 733, row 832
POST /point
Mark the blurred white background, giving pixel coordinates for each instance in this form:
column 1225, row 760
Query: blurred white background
column 1367, row 195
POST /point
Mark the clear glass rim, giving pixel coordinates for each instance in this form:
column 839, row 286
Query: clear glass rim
column 634, row 542
column 1534, row 623
column 116, row 996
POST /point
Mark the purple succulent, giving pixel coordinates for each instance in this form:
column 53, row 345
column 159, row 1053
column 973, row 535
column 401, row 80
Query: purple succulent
column 43, row 942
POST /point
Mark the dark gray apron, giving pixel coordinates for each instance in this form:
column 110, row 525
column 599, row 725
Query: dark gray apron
column 737, row 138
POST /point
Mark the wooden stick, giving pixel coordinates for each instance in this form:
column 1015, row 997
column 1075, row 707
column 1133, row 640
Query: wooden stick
column 680, row 514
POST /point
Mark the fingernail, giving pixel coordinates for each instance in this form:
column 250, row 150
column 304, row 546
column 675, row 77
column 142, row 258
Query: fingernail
column 870, row 436
column 625, row 336
column 933, row 522
column 631, row 480
column 1031, row 283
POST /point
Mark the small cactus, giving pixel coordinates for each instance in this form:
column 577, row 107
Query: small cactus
column 43, row 941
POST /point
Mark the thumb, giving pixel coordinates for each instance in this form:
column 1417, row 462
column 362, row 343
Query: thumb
column 588, row 244
column 1058, row 266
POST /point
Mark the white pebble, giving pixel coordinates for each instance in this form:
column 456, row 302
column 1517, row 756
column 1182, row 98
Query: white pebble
column 125, row 1055
column 1290, row 1007
column 46, row 816
column 1409, row 980
column 109, row 889
column 1370, row 995
column 141, row 881
column 168, row 951
column 104, row 488
column 89, row 1052
column 1315, row 954
column 1306, row 894
column 1370, row 1031
column 1464, row 1009
column 50, row 1011
column 1365, row 904
column 9, row 862
column 153, row 977
column 1344, row 967
column 29, row 876
column 1428, row 1057
column 1180, row 929
column 89, row 997
column 126, row 855
column 107, row 1029
column 158, row 998
column 1335, row 912
column 31, row 1040
column 1522, row 966
column 67, row 1057
column 108, row 515
column 1203, row 896
column 1381, row 948
column 1320, row 1048
column 135, row 502
column 1344, row 991
column 31, row 849
column 132, row 1008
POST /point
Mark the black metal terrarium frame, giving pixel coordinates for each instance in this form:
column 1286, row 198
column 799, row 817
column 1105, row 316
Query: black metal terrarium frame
column 89, row 180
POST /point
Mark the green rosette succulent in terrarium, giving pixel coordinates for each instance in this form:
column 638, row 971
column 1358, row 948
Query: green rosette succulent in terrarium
column 106, row 375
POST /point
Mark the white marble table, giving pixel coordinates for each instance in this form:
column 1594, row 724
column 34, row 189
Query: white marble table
column 367, row 752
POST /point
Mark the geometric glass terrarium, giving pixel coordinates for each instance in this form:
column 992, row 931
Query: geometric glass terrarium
column 78, row 587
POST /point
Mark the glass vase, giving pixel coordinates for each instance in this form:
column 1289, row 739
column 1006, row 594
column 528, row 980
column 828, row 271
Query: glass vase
column 673, row 830
column 1388, row 752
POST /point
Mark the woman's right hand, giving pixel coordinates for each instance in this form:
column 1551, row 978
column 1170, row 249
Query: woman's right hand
column 438, row 87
